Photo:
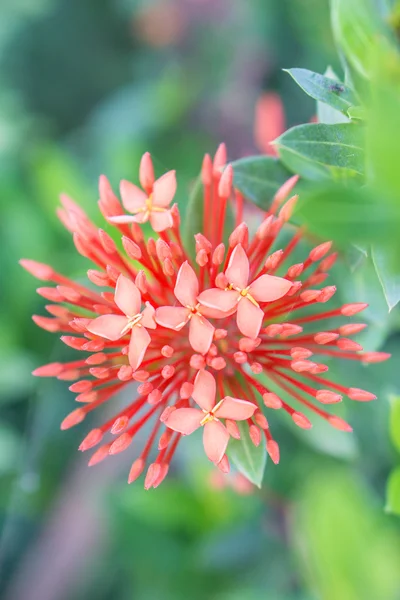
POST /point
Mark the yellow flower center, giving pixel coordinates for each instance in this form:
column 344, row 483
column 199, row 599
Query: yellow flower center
column 132, row 322
column 210, row 415
column 148, row 207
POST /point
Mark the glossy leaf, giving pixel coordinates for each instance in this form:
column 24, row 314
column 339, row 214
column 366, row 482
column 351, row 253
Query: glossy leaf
column 258, row 178
column 394, row 421
column 324, row 89
column 388, row 274
column 393, row 492
column 247, row 458
column 319, row 151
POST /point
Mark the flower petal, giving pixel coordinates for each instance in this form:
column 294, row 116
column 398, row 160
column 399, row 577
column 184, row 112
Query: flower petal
column 140, row 339
column 133, row 198
column 161, row 220
column 223, row 300
column 249, row 318
column 204, row 390
column 215, row 440
column 186, row 287
column 268, row 288
column 201, row 333
column 123, row 219
column 172, row 317
column 237, row 272
column 148, row 317
column 127, row 296
column 235, row 409
column 184, row 420
column 214, row 313
column 108, row 326
column 164, row 189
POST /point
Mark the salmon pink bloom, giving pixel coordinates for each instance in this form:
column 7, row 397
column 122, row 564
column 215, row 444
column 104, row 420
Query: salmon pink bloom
column 251, row 310
column 186, row 290
column 152, row 206
column 215, row 434
column 245, row 298
column 113, row 327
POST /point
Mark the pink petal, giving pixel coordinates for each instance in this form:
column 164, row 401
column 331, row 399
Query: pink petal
column 123, row 219
column 148, row 317
column 108, row 326
column 214, row 313
column 268, row 288
column 204, row 390
column 223, row 300
column 133, row 198
column 249, row 318
column 184, row 420
column 201, row 333
column 186, row 287
column 215, row 440
column 235, row 409
column 164, row 189
column 140, row 339
column 161, row 220
column 238, row 268
column 127, row 296
column 172, row 317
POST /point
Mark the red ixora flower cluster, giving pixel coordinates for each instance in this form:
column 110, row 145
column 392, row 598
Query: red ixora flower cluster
column 196, row 334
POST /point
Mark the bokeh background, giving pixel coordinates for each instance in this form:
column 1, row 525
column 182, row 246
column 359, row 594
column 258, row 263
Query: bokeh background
column 85, row 88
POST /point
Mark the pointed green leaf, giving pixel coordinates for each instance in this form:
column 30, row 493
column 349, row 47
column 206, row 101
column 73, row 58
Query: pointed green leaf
column 393, row 492
column 324, row 89
column 319, row 151
column 258, row 178
column 325, row 113
column 394, row 421
column 247, row 458
column 388, row 274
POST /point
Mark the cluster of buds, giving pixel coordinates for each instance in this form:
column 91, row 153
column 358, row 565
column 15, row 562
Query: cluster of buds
column 208, row 340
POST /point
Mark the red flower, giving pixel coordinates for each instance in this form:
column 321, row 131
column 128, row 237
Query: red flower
column 136, row 330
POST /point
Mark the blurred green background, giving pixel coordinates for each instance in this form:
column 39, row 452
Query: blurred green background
column 85, row 88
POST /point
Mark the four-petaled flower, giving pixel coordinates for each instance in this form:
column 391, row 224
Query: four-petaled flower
column 175, row 317
column 152, row 207
column 215, row 434
column 240, row 296
column 113, row 327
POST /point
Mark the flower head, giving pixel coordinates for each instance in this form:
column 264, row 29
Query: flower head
column 196, row 335
column 151, row 205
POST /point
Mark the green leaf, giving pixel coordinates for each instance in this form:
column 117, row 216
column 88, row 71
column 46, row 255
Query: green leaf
column 356, row 26
column 319, row 151
column 247, row 458
column 326, row 114
column 347, row 214
column 258, row 178
column 393, row 492
column 388, row 272
column 324, row 89
column 357, row 113
column 394, row 421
